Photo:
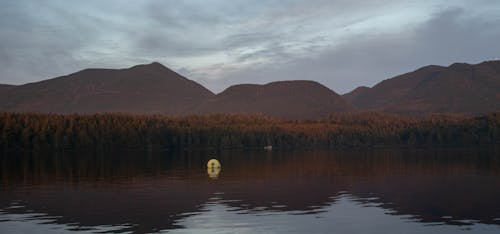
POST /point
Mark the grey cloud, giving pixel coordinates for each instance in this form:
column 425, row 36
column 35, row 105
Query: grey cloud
column 182, row 14
column 450, row 36
column 30, row 47
column 453, row 36
column 42, row 39
column 278, row 39
column 246, row 23
column 273, row 51
column 248, row 39
column 52, row 37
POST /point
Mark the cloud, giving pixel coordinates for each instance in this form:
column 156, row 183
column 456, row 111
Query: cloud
column 450, row 35
column 340, row 43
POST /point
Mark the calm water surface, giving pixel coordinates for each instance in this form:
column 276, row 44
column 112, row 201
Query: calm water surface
column 344, row 191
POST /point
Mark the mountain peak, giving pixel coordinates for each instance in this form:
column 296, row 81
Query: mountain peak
column 460, row 66
column 295, row 99
column 350, row 96
column 146, row 88
column 494, row 63
column 276, row 86
column 458, row 88
column 294, row 82
column 154, row 66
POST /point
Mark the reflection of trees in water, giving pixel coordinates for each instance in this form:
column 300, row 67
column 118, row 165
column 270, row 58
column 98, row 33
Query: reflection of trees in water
column 147, row 206
column 150, row 191
column 427, row 184
column 154, row 191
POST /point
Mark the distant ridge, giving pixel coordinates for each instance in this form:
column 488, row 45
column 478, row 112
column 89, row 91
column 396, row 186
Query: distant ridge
column 4, row 86
column 355, row 93
column 458, row 88
column 155, row 89
column 148, row 88
column 296, row 99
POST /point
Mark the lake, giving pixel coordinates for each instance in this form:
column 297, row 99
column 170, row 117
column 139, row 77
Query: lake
column 256, row 191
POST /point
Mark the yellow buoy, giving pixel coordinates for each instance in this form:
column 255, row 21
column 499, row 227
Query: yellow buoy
column 213, row 163
column 213, row 168
column 213, row 172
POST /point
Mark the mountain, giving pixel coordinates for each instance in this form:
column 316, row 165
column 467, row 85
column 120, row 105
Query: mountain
column 150, row 88
column 458, row 88
column 6, row 86
column 286, row 99
column 153, row 88
column 355, row 93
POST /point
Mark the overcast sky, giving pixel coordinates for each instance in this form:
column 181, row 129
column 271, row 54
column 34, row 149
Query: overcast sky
column 339, row 43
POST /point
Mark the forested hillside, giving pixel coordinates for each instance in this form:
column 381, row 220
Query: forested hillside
column 103, row 131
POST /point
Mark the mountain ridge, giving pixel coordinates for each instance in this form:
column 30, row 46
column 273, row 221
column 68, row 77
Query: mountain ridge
column 295, row 99
column 148, row 88
column 458, row 88
column 155, row 89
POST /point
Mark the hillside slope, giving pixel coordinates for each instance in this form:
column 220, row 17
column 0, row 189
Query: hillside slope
column 459, row 88
column 286, row 99
column 150, row 88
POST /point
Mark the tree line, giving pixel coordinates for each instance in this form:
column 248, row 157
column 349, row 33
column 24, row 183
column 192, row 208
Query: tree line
column 30, row 131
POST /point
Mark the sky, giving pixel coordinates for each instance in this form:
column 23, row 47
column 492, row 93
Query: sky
column 342, row 44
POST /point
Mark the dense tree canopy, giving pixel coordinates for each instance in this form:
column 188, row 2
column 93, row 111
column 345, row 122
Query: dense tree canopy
column 101, row 131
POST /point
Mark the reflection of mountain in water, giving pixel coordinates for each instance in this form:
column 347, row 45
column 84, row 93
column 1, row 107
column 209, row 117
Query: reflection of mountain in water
column 154, row 191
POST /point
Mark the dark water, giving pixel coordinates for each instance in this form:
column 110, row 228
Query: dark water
column 344, row 191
